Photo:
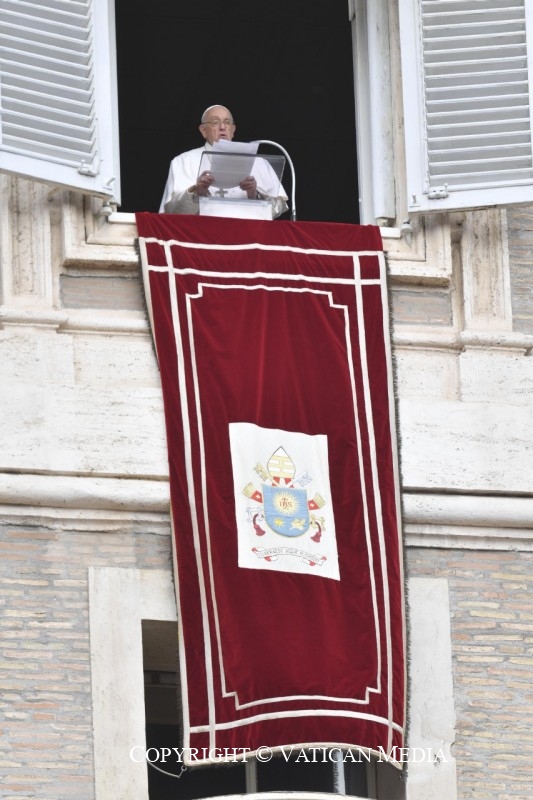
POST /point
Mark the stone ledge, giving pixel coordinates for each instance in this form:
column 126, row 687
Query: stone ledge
column 453, row 537
column 81, row 321
column 422, row 257
column 84, row 494
column 488, row 511
column 82, row 520
column 408, row 337
column 113, row 505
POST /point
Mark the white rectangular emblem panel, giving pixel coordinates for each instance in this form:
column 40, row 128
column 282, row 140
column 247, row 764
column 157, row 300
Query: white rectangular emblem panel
column 283, row 505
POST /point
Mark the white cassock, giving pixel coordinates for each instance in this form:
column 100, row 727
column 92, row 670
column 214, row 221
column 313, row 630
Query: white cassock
column 183, row 174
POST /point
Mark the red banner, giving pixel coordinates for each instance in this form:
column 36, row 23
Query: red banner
column 274, row 350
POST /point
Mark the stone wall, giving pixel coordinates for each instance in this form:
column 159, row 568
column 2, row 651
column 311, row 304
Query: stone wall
column 521, row 261
column 46, row 704
column 491, row 606
column 83, row 470
column 45, row 665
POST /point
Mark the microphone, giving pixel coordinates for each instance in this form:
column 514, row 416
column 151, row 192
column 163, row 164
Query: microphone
column 287, row 156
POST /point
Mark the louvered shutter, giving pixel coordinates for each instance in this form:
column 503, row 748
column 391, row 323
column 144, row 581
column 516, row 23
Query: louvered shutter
column 59, row 120
column 466, row 78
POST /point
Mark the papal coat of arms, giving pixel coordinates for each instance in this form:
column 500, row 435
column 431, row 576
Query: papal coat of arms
column 284, row 514
column 286, row 508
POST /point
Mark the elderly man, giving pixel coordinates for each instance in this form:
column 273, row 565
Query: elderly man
column 184, row 185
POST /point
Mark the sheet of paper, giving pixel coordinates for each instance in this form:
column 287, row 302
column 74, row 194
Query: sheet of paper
column 231, row 162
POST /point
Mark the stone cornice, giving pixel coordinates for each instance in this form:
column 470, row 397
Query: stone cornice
column 140, row 504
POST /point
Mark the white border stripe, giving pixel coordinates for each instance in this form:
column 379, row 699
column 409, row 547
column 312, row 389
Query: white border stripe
column 300, row 277
column 377, row 495
column 359, row 283
column 356, row 273
column 181, row 638
column 234, row 694
column 320, row 712
column 394, row 445
column 258, row 246
column 192, row 502
column 184, row 678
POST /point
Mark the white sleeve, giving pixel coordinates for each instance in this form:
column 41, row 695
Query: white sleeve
column 180, row 203
column 279, row 205
column 269, row 187
column 176, row 197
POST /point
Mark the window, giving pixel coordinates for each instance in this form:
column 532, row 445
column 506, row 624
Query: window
column 118, row 696
column 467, row 96
column 375, row 112
column 58, row 96
column 466, row 89
column 298, row 772
column 284, row 69
column 164, row 728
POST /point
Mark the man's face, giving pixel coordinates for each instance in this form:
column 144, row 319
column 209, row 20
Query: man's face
column 218, row 124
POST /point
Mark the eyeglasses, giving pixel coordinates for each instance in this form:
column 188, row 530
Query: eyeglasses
column 216, row 123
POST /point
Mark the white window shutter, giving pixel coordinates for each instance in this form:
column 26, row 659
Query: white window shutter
column 58, row 100
column 466, row 68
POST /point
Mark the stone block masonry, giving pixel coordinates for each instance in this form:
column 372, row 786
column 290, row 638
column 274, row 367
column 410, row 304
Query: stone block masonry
column 46, row 733
column 491, row 603
column 46, row 738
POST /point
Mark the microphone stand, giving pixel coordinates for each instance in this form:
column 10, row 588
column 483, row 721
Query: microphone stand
column 287, row 156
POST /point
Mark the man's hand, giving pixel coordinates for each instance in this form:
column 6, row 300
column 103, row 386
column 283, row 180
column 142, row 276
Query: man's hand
column 204, row 182
column 249, row 186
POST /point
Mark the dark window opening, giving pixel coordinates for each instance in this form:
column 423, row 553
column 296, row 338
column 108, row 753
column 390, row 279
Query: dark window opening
column 284, row 69
column 311, row 771
column 314, row 771
column 164, row 730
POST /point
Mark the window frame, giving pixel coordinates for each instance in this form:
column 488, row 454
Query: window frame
column 374, row 111
column 102, row 177
column 118, row 685
column 420, row 196
column 387, row 195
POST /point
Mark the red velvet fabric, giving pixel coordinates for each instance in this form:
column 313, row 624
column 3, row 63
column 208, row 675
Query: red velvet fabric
column 283, row 325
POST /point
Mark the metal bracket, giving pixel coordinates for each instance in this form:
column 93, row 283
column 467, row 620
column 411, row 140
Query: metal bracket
column 439, row 192
column 90, row 169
